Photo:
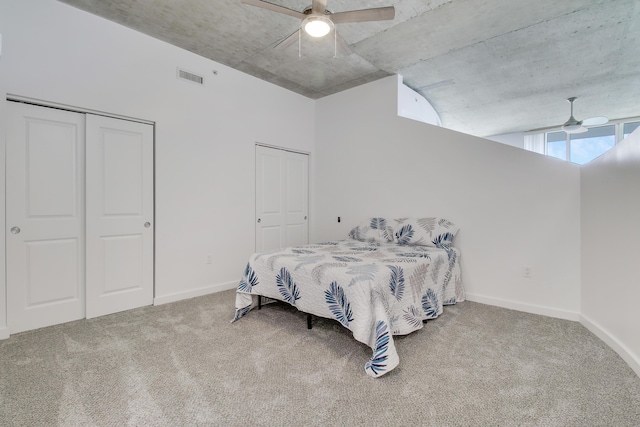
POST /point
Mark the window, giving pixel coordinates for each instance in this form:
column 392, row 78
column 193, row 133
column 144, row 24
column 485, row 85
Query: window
column 629, row 128
column 585, row 147
column 557, row 145
column 581, row 148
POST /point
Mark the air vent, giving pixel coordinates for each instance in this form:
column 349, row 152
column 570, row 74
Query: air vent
column 193, row 78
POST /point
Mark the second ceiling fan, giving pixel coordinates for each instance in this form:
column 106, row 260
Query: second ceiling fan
column 578, row 126
column 318, row 21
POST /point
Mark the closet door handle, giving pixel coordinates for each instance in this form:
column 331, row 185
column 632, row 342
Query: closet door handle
column 147, row 224
column 15, row 230
column 259, row 220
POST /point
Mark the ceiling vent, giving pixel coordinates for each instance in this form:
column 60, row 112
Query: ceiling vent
column 193, row 78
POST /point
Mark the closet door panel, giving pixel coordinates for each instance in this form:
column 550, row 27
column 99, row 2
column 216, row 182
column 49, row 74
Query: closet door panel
column 270, row 199
column 297, row 201
column 119, row 215
column 44, row 217
column 282, row 198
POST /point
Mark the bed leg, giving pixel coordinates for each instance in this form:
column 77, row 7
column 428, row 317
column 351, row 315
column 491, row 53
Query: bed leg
column 308, row 321
column 259, row 302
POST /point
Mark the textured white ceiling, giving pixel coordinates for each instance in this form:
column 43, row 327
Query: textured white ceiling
column 488, row 66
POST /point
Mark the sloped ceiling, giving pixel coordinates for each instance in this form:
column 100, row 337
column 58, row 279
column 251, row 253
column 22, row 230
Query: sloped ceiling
column 488, row 66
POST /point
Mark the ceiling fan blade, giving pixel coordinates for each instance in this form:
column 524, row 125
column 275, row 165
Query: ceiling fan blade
column 318, row 6
column 376, row 14
column 594, row 121
column 275, row 8
column 288, row 41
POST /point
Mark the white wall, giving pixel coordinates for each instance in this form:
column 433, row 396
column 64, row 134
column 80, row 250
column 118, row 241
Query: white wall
column 414, row 106
column 205, row 136
column 611, row 248
column 4, row 332
column 515, row 208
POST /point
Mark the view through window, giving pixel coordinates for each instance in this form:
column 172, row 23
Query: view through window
column 557, row 145
column 629, row 128
column 583, row 147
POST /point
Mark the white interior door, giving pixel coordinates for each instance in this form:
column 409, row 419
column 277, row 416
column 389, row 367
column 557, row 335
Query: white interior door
column 45, row 216
column 119, row 221
column 281, row 198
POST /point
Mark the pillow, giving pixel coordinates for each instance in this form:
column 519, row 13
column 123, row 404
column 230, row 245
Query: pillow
column 373, row 230
column 437, row 232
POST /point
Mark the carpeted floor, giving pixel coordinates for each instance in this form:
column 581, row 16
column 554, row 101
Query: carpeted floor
column 184, row 364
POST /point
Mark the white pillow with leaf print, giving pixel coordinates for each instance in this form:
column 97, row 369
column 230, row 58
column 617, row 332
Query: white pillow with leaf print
column 374, row 230
column 433, row 231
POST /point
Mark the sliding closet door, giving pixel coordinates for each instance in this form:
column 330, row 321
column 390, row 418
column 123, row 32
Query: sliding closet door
column 119, row 231
column 297, row 198
column 44, row 217
column 270, row 200
column 281, row 198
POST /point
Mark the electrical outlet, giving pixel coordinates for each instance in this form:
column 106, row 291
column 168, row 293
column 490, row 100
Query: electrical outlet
column 527, row 272
column 209, row 259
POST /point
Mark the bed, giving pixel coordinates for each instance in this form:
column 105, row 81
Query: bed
column 386, row 279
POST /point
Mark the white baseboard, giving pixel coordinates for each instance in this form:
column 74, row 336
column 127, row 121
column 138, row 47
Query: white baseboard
column 527, row 308
column 633, row 360
column 165, row 299
column 178, row 296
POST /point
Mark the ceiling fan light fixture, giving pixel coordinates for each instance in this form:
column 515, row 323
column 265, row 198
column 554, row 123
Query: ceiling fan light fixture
column 572, row 125
column 317, row 25
column 574, row 128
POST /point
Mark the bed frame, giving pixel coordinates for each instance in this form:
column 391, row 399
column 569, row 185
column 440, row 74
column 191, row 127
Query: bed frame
column 308, row 314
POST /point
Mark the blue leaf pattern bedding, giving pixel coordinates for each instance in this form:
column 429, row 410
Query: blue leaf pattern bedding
column 375, row 290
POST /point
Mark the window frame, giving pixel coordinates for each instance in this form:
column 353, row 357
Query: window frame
column 618, row 132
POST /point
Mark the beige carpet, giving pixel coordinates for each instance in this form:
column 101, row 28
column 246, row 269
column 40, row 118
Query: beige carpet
column 184, row 364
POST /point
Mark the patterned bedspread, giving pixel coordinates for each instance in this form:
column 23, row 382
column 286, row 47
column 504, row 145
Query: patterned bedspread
column 374, row 290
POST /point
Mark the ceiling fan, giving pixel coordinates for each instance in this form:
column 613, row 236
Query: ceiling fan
column 318, row 21
column 578, row 126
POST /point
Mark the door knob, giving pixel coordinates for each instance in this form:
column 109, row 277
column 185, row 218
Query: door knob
column 15, row 230
column 147, row 224
column 305, row 217
column 259, row 220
